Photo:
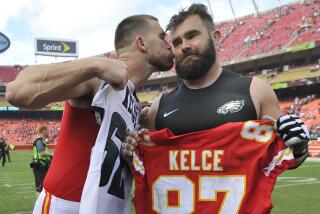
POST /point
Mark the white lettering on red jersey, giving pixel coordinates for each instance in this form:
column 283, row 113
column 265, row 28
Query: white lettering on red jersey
column 229, row 169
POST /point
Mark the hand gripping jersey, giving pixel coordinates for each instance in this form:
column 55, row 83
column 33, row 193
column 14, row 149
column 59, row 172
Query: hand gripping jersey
column 108, row 184
column 229, row 169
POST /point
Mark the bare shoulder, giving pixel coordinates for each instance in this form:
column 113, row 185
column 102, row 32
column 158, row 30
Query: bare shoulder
column 260, row 89
column 261, row 84
column 264, row 99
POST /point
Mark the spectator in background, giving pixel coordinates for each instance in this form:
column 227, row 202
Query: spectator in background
column 2, row 151
column 41, row 158
column 7, row 150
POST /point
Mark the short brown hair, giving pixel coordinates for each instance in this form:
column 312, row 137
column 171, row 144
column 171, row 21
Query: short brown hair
column 200, row 10
column 42, row 128
column 128, row 28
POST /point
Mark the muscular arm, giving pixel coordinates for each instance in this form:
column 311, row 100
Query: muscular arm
column 37, row 86
column 264, row 99
column 266, row 103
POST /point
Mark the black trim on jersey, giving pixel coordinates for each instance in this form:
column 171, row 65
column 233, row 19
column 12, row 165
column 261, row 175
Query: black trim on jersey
column 100, row 111
column 103, row 85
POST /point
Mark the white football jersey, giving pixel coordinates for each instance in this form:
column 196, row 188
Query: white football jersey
column 108, row 183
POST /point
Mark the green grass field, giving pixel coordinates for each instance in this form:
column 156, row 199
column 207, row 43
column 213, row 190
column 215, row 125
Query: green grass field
column 297, row 191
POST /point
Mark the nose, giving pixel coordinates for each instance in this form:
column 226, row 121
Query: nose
column 185, row 47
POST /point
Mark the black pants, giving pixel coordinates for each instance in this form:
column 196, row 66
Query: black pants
column 8, row 155
column 3, row 156
column 39, row 175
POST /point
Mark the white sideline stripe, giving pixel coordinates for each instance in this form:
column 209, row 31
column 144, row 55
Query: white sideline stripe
column 313, row 160
column 13, row 185
column 311, row 166
column 26, row 187
column 6, row 184
column 6, row 181
column 25, row 192
column 288, row 185
column 9, row 181
column 27, row 197
column 24, row 212
column 9, row 174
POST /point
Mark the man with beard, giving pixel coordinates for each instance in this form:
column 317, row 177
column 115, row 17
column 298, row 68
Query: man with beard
column 142, row 49
column 209, row 96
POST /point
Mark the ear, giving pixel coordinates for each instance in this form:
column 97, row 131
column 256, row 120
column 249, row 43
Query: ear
column 215, row 36
column 139, row 41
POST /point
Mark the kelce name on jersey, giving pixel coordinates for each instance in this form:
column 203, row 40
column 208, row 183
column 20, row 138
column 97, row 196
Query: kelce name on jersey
column 185, row 160
column 133, row 107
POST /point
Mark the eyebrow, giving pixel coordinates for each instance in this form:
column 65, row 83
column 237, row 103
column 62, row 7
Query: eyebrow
column 186, row 34
column 176, row 40
column 191, row 32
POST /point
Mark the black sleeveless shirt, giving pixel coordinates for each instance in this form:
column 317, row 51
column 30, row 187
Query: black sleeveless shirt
column 185, row 110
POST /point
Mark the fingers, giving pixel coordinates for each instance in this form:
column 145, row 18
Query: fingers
column 127, row 152
column 144, row 134
column 129, row 146
column 144, row 113
column 131, row 141
column 132, row 138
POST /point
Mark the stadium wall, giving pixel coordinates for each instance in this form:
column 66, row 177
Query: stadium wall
column 297, row 91
column 31, row 114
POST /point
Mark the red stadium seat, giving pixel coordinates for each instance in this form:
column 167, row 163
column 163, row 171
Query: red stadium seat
column 25, row 131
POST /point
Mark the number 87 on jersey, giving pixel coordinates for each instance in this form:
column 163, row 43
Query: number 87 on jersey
column 229, row 169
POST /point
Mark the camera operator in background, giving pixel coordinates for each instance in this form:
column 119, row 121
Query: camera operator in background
column 7, row 150
column 41, row 158
column 3, row 151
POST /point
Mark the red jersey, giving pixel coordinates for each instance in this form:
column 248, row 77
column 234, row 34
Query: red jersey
column 68, row 170
column 228, row 169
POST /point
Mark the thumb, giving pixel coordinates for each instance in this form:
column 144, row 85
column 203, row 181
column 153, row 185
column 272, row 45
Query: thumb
column 145, row 112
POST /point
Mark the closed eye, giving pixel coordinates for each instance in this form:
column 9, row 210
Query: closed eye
column 176, row 42
column 191, row 34
column 162, row 35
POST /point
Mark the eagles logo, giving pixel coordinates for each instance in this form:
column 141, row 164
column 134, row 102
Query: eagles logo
column 98, row 113
column 232, row 107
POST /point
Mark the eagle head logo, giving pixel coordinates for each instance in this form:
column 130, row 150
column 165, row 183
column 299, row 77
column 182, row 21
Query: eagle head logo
column 232, row 107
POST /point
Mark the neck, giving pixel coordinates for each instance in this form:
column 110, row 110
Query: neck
column 207, row 79
column 139, row 70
